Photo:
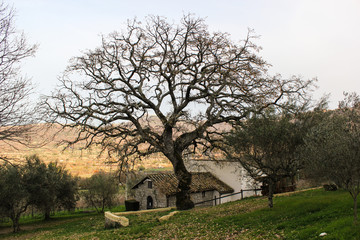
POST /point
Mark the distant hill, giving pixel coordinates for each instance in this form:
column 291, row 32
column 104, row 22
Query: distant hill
column 46, row 143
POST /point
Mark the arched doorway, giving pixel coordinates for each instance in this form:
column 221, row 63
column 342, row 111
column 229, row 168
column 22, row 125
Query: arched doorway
column 149, row 203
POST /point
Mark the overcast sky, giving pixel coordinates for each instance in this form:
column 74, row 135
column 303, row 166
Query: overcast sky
column 310, row 38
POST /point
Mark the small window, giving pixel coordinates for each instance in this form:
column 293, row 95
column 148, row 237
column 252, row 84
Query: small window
column 203, row 194
column 149, row 184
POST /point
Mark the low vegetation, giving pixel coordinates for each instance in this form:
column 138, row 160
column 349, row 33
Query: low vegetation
column 302, row 215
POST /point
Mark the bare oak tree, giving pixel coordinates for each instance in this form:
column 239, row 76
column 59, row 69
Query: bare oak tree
column 15, row 111
column 191, row 80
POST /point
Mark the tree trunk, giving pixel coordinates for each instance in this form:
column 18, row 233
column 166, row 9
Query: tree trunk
column 183, row 201
column 271, row 193
column 355, row 209
column 103, row 204
column 16, row 226
column 15, row 223
column 47, row 214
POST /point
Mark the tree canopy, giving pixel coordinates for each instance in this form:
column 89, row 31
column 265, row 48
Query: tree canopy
column 100, row 190
column 50, row 186
column 332, row 150
column 189, row 79
column 14, row 197
column 267, row 146
column 46, row 187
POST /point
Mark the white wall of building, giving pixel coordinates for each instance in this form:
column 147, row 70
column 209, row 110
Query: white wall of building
column 230, row 173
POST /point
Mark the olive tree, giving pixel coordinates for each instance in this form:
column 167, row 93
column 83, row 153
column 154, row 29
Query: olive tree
column 100, row 190
column 161, row 87
column 50, row 186
column 35, row 183
column 14, row 197
column 15, row 110
column 266, row 146
column 332, row 149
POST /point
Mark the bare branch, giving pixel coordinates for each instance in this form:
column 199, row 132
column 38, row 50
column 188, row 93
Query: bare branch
column 161, row 87
column 15, row 110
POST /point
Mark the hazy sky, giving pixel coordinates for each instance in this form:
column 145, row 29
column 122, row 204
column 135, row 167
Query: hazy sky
column 310, row 38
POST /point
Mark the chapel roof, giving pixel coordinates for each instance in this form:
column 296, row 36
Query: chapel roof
column 201, row 181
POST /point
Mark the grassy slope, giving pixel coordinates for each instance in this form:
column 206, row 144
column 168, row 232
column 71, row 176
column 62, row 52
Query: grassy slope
column 300, row 216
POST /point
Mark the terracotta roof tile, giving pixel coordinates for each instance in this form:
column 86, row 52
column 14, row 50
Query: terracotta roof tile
column 205, row 181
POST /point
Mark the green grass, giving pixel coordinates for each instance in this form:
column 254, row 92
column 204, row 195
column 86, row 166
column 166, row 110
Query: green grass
column 39, row 218
column 300, row 216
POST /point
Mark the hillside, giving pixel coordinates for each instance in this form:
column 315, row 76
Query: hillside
column 46, row 143
column 302, row 215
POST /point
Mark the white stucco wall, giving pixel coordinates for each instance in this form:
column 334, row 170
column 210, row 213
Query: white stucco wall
column 230, row 173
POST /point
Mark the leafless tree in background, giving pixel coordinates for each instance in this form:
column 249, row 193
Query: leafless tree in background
column 191, row 80
column 15, row 110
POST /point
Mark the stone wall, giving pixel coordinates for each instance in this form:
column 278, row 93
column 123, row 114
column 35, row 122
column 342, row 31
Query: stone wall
column 204, row 196
column 198, row 197
column 143, row 192
column 160, row 200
